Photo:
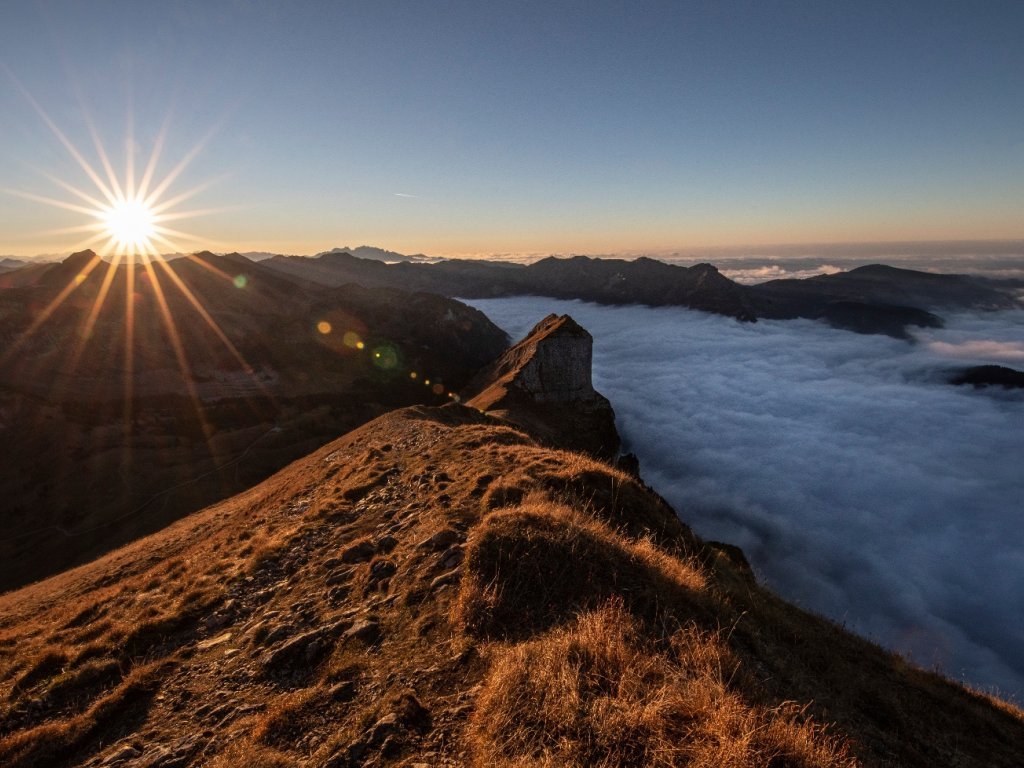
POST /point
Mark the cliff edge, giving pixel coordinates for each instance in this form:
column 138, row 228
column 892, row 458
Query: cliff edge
column 543, row 383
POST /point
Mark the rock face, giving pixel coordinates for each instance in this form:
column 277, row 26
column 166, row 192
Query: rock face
column 553, row 363
column 559, row 371
column 544, row 383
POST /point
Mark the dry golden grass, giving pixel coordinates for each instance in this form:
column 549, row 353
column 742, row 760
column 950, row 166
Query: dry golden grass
column 47, row 663
column 265, row 553
column 596, row 694
column 78, row 683
column 283, row 722
column 246, row 754
column 57, row 741
column 137, row 636
column 509, row 491
column 589, row 485
column 538, row 565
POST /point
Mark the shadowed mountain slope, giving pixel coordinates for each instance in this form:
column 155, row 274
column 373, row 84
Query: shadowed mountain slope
column 989, row 376
column 378, row 254
column 608, row 281
column 439, row 588
column 882, row 284
column 879, row 299
column 132, row 395
column 874, row 299
column 8, row 264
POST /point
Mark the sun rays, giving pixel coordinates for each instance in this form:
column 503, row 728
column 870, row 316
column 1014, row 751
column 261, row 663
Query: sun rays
column 118, row 325
column 124, row 232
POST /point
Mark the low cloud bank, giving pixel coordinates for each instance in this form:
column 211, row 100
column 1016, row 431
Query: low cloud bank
column 858, row 482
column 775, row 271
column 758, row 269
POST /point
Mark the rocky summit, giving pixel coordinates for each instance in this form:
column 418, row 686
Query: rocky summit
column 544, row 383
column 552, row 364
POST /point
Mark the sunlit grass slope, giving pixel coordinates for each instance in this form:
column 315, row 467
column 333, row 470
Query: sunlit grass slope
column 437, row 588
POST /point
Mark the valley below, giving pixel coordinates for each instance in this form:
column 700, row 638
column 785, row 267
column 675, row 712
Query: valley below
column 856, row 479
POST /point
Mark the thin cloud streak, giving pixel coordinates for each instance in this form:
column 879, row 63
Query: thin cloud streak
column 859, row 483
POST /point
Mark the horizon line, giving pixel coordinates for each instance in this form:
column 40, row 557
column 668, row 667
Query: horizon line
column 678, row 252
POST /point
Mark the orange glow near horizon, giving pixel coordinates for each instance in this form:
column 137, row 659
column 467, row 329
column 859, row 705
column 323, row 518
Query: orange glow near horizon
column 128, row 213
column 126, row 223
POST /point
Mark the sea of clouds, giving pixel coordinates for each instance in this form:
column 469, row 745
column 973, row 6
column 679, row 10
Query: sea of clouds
column 858, row 482
column 750, row 271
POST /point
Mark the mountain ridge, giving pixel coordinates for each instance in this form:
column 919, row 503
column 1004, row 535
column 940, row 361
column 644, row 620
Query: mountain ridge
column 373, row 253
column 886, row 300
column 232, row 371
column 440, row 587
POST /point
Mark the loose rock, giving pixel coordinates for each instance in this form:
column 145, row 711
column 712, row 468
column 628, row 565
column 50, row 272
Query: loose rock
column 358, row 553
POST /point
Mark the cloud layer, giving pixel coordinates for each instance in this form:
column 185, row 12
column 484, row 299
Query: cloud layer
column 857, row 481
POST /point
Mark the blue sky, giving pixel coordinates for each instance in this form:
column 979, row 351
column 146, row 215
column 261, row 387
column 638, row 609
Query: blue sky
column 529, row 127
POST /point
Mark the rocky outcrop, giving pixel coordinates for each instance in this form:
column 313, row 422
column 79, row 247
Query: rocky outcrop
column 551, row 365
column 543, row 383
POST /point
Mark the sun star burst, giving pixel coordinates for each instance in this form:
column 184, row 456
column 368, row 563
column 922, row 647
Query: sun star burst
column 128, row 214
column 127, row 220
column 131, row 224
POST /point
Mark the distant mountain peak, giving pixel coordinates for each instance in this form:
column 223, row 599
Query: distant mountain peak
column 373, row 253
column 80, row 257
column 236, row 257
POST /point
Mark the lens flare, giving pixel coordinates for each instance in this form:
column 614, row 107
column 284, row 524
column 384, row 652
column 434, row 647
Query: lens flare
column 385, row 357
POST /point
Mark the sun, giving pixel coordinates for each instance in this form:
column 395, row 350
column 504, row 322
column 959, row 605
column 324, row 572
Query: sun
column 131, row 224
column 127, row 221
column 128, row 215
